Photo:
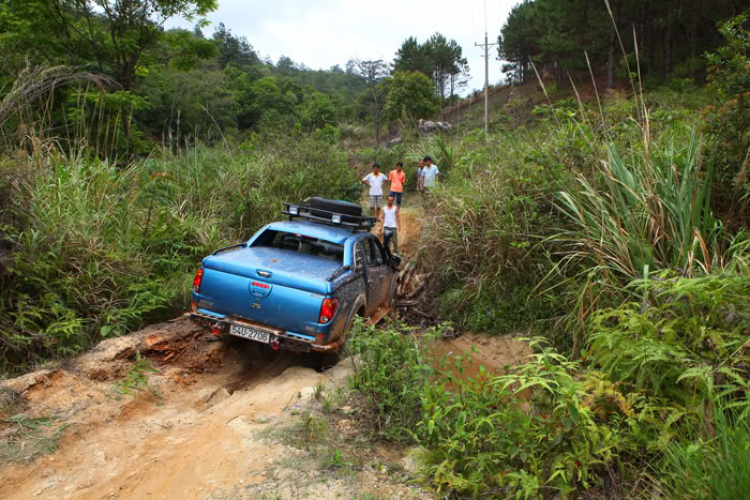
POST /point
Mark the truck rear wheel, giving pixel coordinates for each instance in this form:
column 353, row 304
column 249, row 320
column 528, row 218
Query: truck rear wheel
column 326, row 360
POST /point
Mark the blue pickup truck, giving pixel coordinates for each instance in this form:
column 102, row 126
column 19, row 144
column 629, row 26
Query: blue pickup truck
column 297, row 284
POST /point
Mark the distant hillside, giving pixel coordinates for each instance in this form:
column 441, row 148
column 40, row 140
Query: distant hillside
column 468, row 113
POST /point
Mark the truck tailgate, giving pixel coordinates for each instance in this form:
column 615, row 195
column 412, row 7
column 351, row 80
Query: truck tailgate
column 270, row 286
column 283, row 267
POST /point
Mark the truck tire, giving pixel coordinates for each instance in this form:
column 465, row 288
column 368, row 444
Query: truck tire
column 322, row 361
column 338, row 206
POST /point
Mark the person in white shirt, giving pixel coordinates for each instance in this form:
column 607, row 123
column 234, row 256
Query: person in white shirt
column 391, row 221
column 430, row 173
column 375, row 180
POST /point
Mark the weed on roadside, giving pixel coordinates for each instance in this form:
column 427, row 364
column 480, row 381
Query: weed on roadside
column 327, row 435
column 136, row 380
column 24, row 438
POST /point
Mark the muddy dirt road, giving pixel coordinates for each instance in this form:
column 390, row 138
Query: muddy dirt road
column 205, row 429
column 214, row 421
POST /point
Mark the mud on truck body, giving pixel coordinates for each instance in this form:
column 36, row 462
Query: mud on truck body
column 297, row 284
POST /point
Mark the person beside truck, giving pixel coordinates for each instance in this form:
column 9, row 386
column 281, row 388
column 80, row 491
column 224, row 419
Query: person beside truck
column 391, row 222
column 420, row 172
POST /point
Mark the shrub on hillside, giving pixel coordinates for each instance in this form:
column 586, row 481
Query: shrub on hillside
column 729, row 119
column 389, row 374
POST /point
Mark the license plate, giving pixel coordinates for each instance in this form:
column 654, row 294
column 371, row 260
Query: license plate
column 250, row 333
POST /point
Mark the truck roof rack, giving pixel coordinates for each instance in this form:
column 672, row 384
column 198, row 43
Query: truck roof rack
column 328, row 217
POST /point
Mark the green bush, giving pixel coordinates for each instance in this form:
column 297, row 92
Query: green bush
column 681, row 341
column 542, row 428
column 729, row 120
column 390, row 375
column 546, row 426
column 387, row 159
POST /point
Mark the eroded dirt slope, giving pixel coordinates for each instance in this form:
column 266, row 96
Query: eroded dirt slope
column 199, row 435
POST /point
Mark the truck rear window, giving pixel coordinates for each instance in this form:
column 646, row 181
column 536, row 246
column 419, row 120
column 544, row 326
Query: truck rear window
column 301, row 244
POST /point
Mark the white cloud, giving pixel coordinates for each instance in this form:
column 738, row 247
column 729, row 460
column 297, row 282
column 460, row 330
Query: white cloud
column 324, row 33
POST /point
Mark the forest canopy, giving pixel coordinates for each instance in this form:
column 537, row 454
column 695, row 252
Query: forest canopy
column 669, row 36
column 160, row 83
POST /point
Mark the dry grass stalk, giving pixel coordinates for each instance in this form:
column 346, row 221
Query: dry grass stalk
column 624, row 52
column 544, row 89
column 596, row 90
column 34, row 82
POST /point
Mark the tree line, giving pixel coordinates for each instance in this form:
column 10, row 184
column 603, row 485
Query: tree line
column 172, row 83
column 668, row 37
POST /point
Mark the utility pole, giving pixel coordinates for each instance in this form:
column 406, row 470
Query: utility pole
column 486, row 46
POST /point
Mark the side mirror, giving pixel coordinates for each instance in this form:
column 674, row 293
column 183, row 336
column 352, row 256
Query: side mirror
column 395, row 260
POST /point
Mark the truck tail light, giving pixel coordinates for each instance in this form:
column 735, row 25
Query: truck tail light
column 197, row 280
column 327, row 310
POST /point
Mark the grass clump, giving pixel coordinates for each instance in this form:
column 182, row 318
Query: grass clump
column 389, row 375
column 481, row 231
column 651, row 208
column 711, row 468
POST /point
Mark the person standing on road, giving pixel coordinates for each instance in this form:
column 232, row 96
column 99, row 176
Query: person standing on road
column 391, row 223
column 398, row 179
column 430, row 174
column 375, row 180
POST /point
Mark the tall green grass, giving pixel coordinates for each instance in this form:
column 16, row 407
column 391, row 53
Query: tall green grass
column 645, row 208
column 609, row 231
column 484, row 223
column 714, row 468
column 95, row 249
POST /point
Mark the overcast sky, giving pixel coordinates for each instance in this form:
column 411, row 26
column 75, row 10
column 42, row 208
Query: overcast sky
column 323, row 33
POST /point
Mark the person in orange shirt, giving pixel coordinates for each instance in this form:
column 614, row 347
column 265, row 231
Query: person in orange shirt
column 397, row 179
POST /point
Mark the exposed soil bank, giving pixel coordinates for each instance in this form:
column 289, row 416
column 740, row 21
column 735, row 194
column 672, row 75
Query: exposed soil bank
column 492, row 353
column 197, row 434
